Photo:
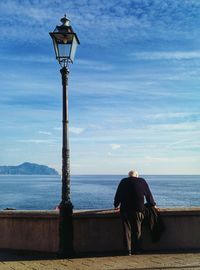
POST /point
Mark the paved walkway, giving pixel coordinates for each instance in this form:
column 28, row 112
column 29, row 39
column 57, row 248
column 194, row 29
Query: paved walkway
column 185, row 261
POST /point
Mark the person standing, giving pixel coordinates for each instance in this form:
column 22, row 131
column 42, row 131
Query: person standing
column 129, row 198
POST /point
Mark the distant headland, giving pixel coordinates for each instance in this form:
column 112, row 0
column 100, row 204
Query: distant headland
column 28, row 168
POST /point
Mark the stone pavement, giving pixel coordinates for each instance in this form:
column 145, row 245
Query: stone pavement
column 167, row 261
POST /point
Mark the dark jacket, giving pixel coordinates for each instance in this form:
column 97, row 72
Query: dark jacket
column 130, row 194
column 154, row 222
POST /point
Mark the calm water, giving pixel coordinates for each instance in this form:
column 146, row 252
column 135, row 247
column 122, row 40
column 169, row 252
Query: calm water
column 93, row 191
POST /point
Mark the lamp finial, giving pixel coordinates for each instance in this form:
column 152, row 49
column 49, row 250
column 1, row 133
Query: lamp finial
column 65, row 21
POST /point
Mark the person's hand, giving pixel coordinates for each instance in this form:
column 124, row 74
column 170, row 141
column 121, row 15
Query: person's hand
column 157, row 208
column 57, row 208
column 117, row 209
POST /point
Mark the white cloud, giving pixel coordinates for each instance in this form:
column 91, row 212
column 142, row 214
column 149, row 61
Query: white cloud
column 36, row 141
column 115, row 146
column 185, row 126
column 173, row 55
column 57, row 128
column 28, row 58
column 94, row 65
column 171, row 115
column 146, row 18
column 187, row 144
column 45, row 132
column 76, row 130
column 158, row 159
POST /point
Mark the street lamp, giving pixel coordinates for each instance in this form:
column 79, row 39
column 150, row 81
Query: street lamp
column 65, row 42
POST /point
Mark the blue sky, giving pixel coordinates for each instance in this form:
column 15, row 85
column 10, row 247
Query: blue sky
column 134, row 87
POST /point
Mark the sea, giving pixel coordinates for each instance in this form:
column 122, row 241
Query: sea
column 39, row 192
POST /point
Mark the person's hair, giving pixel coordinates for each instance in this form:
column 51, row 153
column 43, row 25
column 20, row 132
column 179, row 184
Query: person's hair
column 133, row 173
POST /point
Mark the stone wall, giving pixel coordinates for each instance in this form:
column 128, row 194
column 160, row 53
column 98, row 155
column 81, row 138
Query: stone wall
column 101, row 231
column 29, row 230
column 95, row 231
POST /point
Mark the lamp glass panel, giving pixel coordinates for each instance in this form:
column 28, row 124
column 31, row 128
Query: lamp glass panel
column 55, row 48
column 64, row 50
column 73, row 48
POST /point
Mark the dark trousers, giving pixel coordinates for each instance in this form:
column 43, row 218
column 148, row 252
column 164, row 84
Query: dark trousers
column 132, row 227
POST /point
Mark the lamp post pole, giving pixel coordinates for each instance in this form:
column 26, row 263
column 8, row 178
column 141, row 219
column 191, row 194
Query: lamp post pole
column 65, row 42
column 66, row 207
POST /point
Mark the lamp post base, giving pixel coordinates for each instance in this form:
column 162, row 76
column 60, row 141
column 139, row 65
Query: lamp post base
column 66, row 229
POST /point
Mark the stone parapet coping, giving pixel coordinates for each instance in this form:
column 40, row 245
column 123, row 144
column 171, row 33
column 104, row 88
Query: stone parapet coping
column 29, row 214
column 100, row 213
column 163, row 212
